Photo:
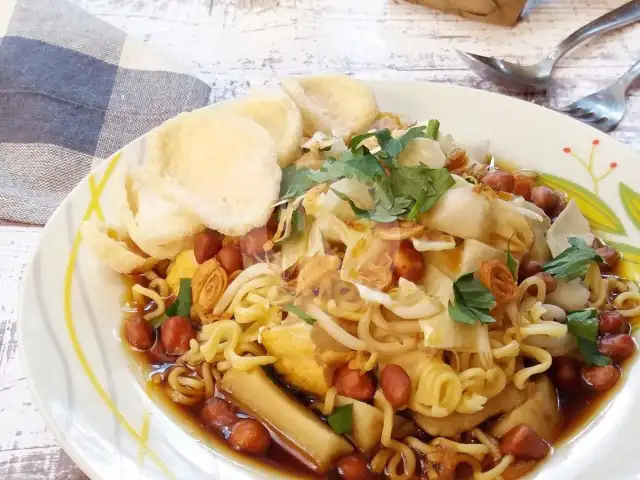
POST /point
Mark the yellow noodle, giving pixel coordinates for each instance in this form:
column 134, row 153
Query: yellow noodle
column 338, row 333
column 235, row 285
column 157, row 283
column 497, row 471
column 209, row 386
column 153, row 295
column 191, row 356
column 182, row 388
column 470, row 402
column 390, row 348
column 419, row 445
column 191, row 383
column 404, row 453
column 622, row 300
column 511, row 349
column 551, row 329
column 439, row 390
column 598, row 286
column 247, row 288
column 541, row 290
column 489, row 442
column 476, row 450
column 371, row 363
column 326, row 407
column 380, row 460
column 346, row 309
column 617, row 286
column 182, row 398
column 544, row 363
column 224, row 336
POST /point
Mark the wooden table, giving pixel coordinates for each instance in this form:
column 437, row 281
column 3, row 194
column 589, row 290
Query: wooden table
column 235, row 44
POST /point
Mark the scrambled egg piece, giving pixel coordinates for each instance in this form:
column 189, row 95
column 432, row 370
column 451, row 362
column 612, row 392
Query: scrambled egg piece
column 184, row 266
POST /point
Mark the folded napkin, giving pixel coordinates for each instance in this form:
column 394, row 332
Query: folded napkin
column 73, row 90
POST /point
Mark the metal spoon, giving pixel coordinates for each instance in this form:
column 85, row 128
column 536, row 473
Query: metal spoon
column 537, row 76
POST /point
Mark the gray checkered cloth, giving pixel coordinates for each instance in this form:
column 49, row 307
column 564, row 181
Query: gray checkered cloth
column 73, row 90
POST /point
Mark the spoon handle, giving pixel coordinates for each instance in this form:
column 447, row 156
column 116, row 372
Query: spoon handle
column 629, row 76
column 620, row 17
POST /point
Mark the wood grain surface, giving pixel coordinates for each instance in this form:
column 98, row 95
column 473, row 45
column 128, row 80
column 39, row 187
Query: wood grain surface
column 236, row 44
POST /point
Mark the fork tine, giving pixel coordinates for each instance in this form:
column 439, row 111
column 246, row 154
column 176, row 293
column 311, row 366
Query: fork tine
column 582, row 113
column 566, row 109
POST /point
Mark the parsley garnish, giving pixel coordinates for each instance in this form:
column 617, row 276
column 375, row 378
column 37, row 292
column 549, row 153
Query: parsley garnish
column 181, row 307
column 390, row 147
column 583, row 324
column 341, row 420
column 295, row 181
column 473, row 301
column 422, row 184
column 289, row 307
column 573, row 262
column 397, row 191
column 379, row 214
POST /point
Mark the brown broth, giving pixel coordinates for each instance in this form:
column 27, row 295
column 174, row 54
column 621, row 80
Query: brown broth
column 279, row 458
column 577, row 410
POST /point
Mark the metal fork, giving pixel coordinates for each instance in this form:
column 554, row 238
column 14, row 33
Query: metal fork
column 604, row 109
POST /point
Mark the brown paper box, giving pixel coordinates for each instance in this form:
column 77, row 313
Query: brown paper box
column 501, row 12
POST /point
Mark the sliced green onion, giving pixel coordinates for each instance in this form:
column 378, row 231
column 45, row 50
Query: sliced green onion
column 432, row 129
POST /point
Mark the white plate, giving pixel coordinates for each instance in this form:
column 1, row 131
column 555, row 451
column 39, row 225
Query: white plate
column 91, row 393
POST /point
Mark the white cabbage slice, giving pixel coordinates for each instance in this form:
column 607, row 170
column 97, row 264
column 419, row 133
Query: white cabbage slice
column 539, row 250
column 463, row 259
column 355, row 190
column 570, row 223
column 440, row 330
column 422, row 151
column 460, row 212
column 410, row 302
column 569, row 296
column 510, row 227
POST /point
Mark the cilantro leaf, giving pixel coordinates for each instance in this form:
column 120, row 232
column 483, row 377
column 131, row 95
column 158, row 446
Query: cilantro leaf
column 589, row 353
column 379, row 214
column 441, row 182
column 341, row 420
column 289, row 307
column 365, row 168
column 295, row 181
column 574, row 261
column 355, row 142
column 512, row 263
column 392, row 147
column 583, row 324
column 422, row 184
column 180, row 307
column 473, row 301
column 396, row 190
